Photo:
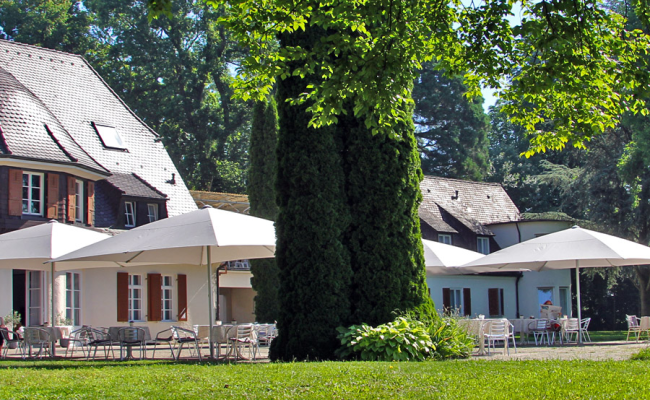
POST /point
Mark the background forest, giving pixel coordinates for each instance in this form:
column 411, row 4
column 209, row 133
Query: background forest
column 175, row 74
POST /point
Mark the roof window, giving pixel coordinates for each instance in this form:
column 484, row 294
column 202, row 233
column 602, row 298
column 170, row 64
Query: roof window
column 110, row 137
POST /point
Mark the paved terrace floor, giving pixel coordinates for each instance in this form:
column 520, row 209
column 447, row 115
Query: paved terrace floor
column 615, row 350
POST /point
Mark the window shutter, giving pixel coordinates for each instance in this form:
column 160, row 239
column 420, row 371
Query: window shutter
column 154, row 297
column 90, row 220
column 122, row 297
column 71, row 198
column 493, row 301
column 467, row 301
column 446, row 298
column 182, row 297
column 15, row 192
column 53, row 196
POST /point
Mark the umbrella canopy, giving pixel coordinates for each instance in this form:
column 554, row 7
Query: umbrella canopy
column 31, row 248
column 184, row 239
column 200, row 237
column 571, row 248
column 444, row 259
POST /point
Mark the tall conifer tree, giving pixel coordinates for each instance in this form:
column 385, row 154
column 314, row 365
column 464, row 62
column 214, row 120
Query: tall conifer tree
column 261, row 195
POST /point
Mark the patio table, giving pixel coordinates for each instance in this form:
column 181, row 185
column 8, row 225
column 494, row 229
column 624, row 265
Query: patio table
column 644, row 324
column 221, row 334
column 113, row 333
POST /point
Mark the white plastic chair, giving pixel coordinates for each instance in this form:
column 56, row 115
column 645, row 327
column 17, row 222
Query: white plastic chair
column 572, row 328
column 244, row 337
column 585, row 326
column 499, row 330
column 540, row 328
column 633, row 327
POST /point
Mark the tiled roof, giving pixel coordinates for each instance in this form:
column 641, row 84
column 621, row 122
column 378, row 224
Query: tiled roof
column 73, row 92
column 133, row 185
column 474, row 204
column 30, row 131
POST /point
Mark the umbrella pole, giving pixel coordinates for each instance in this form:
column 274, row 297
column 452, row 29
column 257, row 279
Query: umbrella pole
column 578, row 299
column 52, row 321
column 207, row 249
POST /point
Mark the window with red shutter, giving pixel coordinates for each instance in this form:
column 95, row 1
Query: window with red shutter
column 122, row 297
column 154, row 295
column 182, row 297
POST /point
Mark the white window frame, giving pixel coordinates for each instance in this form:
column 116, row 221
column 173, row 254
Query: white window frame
column 36, row 298
column 483, row 245
column 136, row 298
column 444, row 238
column 152, row 212
column 73, row 297
column 79, row 200
column 456, row 300
column 110, row 137
column 565, row 300
column 129, row 215
column 29, row 200
column 167, row 298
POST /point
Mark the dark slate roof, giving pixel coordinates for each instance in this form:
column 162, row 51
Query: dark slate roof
column 433, row 217
column 133, row 185
column 73, row 92
column 474, row 204
column 30, row 131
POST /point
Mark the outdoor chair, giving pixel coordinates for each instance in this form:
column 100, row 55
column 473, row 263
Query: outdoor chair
column 585, row 329
column 165, row 338
column 129, row 338
column 187, row 337
column 498, row 330
column 36, row 338
column 244, row 337
column 99, row 338
column 78, row 339
column 633, row 327
column 540, row 329
column 571, row 329
column 14, row 342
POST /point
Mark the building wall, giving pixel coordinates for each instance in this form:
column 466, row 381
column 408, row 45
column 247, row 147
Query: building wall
column 6, row 282
column 528, row 301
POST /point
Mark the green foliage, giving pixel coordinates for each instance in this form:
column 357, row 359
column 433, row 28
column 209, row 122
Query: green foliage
column 449, row 339
column 451, row 130
column 12, row 319
column 314, row 264
column 261, row 195
column 643, row 355
column 399, row 340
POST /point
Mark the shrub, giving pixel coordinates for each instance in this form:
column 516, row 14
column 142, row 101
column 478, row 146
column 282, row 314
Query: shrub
column 643, row 355
column 449, row 339
column 399, row 340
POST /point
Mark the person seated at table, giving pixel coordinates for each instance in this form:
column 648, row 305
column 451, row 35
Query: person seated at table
column 548, row 303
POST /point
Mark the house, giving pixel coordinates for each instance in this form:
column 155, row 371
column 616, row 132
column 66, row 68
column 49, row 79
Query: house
column 480, row 216
column 73, row 151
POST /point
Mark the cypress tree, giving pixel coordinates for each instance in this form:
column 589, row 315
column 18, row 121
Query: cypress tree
column 384, row 239
column 261, row 195
column 314, row 265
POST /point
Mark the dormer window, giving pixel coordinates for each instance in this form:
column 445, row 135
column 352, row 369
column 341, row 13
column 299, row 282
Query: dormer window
column 110, row 137
column 129, row 214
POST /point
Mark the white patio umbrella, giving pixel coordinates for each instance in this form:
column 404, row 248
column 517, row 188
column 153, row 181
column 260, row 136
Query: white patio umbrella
column 201, row 237
column 444, row 259
column 32, row 248
column 571, row 248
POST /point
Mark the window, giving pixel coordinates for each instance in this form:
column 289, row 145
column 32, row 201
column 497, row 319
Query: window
column 167, row 287
column 79, row 200
column 110, row 137
column 446, row 239
column 135, row 297
column 36, row 298
column 152, row 210
column 483, row 245
column 73, row 298
column 565, row 300
column 544, row 294
column 495, row 302
column 32, row 193
column 129, row 214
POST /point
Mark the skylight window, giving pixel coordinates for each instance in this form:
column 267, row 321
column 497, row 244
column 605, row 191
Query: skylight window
column 110, row 137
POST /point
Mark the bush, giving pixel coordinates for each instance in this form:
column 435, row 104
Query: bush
column 643, row 355
column 399, row 340
column 449, row 339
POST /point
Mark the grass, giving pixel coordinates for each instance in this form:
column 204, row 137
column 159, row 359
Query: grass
column 326, row 380
column 607, row 336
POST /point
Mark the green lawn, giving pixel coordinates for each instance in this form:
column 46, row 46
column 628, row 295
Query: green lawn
column 339, row 380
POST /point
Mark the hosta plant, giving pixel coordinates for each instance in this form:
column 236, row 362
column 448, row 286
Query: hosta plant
column 399, row 340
